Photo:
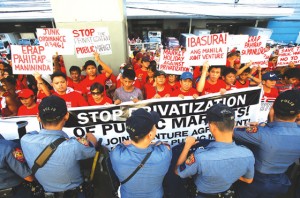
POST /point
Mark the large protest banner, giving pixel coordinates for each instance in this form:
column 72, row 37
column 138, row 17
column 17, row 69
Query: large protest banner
column 27, row 59
column 211, row 48
column 56, row 40
column 254, row 49
column 172, row 62
column 91, row 40
column 287, row 55
column 179, row 117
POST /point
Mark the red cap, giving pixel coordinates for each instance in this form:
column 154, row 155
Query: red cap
column 237, row 61
column 25, row 93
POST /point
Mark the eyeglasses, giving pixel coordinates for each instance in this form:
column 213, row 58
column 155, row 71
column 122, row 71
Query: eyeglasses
column 96, row 93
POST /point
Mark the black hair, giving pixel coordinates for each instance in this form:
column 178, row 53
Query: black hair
column 292, row 73
column 89, row 62
column 211, row 67
column 233, row 54
column 128, row 73
column 228, row 70
column 152, row 68
column 99, row 68
column 225, row 125
column 97, row 86
column 10, row 80
column 134, row 53
column 58, row 74
column 75, row 68
column 153, row 62
column 248, row 70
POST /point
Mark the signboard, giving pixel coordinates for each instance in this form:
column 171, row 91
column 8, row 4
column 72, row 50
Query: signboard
column 27, row 59
column 254, row 49
column 287, row 55
column 172, row 62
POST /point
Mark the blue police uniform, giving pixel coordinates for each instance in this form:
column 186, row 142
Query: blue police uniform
column 62, row 170
column 147, row 182
column 13, row 167
column 218, row 166
column 276, row 147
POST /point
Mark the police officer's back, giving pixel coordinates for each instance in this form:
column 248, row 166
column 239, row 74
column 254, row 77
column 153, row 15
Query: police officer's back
column 276, row 146
column 13, row 170
column 222, row 162
column 126, row 157
column 61, row 173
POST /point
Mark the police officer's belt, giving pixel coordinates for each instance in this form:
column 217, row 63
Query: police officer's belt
column 226, row 194
column 64, row 194
column 44, row 156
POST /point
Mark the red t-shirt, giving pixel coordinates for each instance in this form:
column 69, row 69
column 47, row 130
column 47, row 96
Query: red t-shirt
column 25, row 111
column 136, row 66
column 86, row 83
column 141, row 76
column 151, row 91
column 175, row 86
column 191, row 92
column 239, row 85
column 272, row 95
column 213, row 88
column 73, row 99
column 106, row 100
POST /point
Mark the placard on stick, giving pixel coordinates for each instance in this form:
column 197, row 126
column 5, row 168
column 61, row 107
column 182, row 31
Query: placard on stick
column 287, row 55
column 56, row 40
column 27, row 59
column 254, row 49
column 91, row 40
column 172, row 62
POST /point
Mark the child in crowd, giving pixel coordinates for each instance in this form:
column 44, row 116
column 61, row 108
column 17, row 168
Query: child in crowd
column 75, row 79
column 142, row 73
column 172, row 80
column 244, row 73
column 231, row 57
column 160, row 88
column 123, row 67
column 150, row 77
column 213, row 83
column 127, row 92
column 98, row 97
column 229, row 77
column 289, row 80
column 137, row 61
column 29, row 106
column 269, row 80
column 186, row 86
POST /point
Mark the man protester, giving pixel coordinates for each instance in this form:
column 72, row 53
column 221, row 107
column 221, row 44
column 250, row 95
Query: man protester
column 13, row 171
column 127, row 156
column 275, row 147
column 60, row 176
column 222, row 162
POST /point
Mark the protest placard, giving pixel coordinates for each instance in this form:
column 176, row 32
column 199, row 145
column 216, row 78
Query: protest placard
column 264, row 63
column 26, row 59
column 254, row 49
column 91, row 40
column 236, row 42
column 179, row 118
column 287, row 55
column 56, row 40
column 172, row 62
column 211, row 48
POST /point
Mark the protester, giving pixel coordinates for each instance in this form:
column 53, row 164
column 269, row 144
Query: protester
column 72, row 98
column 98, row 97
column 244, row 74
column 29, row 106
column 142, row 73
column 160, row 89
column 212, row 84
column 229, row 77
column 269, row 80
column 60, row 176
column 231, row 57
column 44, row 89
column 222, row 162
column 186, row 86
column 172, row 80
column 275, row 147
column 75, row 79
column 127, row 156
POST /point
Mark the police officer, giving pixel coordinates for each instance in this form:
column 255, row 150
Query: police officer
column 147, row 182
column 276, row 147
column 60, row 176
column 13, row 170
column 222, row 162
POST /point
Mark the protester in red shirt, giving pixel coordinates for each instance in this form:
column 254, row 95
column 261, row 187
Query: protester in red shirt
column 72, row 98
column 186, row 86
column 173, row 81
column 160, row 88
column 231, row 57
column 269, row 80
column 44, row 88
column 212, row 84
column 142, row 73
column 29, row 106
column 244, row 73
column 75, row 79
column 98, row 97
column 91, row 74
column 229, row 77
column 137, row 63
column 150, row 77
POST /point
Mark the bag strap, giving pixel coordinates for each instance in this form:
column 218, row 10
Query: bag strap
column 137, row 168
column 44, row 156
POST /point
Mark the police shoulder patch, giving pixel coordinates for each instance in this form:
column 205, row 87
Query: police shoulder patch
column 18, row 155
column 83, row 141
column 251, row 129
column 190, row 160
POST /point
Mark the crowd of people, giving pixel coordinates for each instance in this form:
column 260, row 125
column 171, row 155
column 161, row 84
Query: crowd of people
column 242, row 162
column 139, row 79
